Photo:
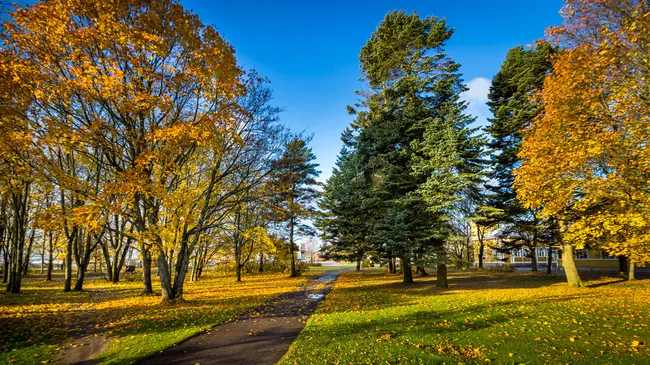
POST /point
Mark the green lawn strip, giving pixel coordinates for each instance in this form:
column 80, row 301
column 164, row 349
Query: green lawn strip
column 371, row 319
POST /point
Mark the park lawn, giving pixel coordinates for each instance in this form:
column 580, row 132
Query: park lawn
column 503, row 318
column 36, row 325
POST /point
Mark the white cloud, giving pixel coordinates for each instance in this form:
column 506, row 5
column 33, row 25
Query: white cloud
column 478, row 90
column 477, row 97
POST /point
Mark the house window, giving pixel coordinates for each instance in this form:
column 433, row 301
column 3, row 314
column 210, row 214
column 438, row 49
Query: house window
column 582, row 254
column 541, row 251
column 521, row 252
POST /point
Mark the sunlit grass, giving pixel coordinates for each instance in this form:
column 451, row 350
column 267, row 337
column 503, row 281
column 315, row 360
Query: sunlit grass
column 371, row 318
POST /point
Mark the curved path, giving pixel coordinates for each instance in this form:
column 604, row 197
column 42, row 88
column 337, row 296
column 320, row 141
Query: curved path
column 260, row 336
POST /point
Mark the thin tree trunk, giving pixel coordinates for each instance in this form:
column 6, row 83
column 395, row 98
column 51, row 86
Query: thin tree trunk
column 28, row 253
column 67, row 283
column 261, row 262
column 50, row 264
column 291, row 250
column 549, row 260
column 390, row 265
column 358, row 264
column 43, row 257
column 481, row 250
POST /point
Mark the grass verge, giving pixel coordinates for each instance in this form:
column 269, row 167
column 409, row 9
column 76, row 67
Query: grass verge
column 517, row 318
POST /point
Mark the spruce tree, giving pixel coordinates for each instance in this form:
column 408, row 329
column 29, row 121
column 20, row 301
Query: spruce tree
column 294, row 182
column 512, row 102
column 421, row 159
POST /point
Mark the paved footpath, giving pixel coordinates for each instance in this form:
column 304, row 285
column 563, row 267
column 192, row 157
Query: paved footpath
column 260, row 336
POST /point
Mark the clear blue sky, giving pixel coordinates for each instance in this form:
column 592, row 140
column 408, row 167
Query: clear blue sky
column 309, row 49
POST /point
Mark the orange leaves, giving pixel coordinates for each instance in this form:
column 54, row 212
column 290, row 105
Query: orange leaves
column 578, row 155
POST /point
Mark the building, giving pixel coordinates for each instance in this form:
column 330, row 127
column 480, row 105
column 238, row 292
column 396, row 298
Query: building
column 496, row 255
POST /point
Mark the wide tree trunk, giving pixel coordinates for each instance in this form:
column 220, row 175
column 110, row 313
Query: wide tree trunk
column 391, row 265
column 165, row 277
column 569, row 264
column 441, row 276
column 549, row 260
column 631, row 273
column 533, row 258
column 407, row 270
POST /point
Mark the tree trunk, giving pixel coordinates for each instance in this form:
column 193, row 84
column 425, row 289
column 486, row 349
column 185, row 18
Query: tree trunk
column 67, row 284
column 261, row 262
column 441, row 277
column 481, row 250
column 28, row 253
column 549, row 260
column 291, row 250
column 43, row 258
column 165, row 277
column 146, row 269
column 632, row 268
column 237, row 262
column 568, row 262
column 420, row 271
column 5, row 272
column 622, row 265
column 50, row 264
column 407, row 270
column 533, row 258
column 391, row 265
column 358, row 264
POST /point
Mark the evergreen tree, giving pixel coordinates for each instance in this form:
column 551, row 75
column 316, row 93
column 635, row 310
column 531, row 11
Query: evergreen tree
column 296, row 187
column 512, row 102
column 345, row 223
column 419, row 156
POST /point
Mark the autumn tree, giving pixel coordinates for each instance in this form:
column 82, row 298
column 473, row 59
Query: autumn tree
column 139, row 89
column 586, row 160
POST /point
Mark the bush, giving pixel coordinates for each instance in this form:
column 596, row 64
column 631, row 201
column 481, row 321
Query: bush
column 131, row 276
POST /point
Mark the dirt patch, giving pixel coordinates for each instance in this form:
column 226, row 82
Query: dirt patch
column 83, row 350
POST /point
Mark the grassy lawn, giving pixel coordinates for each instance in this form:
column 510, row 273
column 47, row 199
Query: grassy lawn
column 371, row 318
column 37, row 324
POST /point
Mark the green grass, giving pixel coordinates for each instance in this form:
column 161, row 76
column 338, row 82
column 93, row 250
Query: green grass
column 37, row 325
column 371, row 318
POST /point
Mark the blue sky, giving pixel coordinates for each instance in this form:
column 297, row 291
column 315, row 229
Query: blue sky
column 309, row 50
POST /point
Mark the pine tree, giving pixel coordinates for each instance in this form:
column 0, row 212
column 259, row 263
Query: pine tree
column 512, row 102
column 296, row 187
column 420, row 157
